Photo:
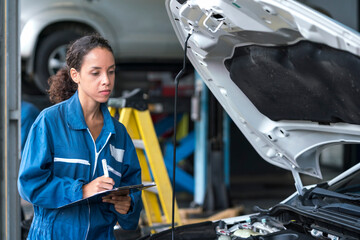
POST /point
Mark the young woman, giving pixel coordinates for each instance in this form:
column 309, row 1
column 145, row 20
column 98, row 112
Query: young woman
column 61, row 161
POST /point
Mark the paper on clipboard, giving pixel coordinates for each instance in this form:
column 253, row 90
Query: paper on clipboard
column 119, row 191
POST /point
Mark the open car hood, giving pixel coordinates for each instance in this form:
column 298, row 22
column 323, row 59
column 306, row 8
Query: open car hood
column 287, row 75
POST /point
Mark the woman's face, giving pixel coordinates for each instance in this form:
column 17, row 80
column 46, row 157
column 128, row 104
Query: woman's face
column 96, row 77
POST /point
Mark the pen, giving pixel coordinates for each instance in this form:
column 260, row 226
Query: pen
column 104, row 164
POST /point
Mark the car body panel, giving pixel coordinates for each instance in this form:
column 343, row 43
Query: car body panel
column 37, row 23
column 132, row 36
column 288, row 77
column 221, row 28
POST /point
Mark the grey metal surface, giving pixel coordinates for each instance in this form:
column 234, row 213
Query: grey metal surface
column 136, row 29
column 218, row 27
column 9, row 120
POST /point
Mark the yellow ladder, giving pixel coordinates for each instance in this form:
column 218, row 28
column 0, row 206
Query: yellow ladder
column 141, row 130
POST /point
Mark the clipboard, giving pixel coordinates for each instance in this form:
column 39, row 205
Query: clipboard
column 119, row 191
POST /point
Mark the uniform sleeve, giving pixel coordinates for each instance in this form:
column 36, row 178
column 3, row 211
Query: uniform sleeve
column 37, row 183
column 131, row 176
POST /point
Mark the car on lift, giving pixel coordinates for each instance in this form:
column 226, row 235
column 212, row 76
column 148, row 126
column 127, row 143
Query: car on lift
column 289, row 78
column 139, row 32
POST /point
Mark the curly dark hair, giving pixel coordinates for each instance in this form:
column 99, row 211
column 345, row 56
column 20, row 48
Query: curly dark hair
column 62, row 87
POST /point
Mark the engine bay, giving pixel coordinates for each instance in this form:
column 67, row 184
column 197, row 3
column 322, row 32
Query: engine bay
column 264, row 228
column 286, row 222
column 297, row 219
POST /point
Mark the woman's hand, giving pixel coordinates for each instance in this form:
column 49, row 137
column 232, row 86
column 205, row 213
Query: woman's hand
column 97, row 185
column 121, row 202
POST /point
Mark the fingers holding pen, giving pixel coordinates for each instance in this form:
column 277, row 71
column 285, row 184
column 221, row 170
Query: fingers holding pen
column 104, row 183
column 98, row 185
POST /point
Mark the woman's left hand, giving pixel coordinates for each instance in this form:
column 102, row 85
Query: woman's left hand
column 121, row 203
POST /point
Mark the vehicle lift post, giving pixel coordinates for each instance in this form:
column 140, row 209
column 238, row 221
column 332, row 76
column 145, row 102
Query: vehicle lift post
column 10, row 113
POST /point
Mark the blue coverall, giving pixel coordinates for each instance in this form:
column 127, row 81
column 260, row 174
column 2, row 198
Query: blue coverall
column 59, row 157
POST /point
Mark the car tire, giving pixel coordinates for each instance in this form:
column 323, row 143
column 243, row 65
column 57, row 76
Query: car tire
column 50, row 56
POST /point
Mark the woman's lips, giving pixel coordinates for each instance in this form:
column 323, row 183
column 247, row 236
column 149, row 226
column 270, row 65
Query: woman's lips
column 105, row 92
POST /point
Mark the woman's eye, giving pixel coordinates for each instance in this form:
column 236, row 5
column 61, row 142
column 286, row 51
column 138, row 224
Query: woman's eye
column 111, row 72
column 95, row 73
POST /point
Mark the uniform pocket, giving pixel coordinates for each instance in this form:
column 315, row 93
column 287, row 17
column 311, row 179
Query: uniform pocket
column 71, row 164
column 117, row 153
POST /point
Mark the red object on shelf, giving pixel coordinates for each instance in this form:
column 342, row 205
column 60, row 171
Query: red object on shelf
column 183, row 91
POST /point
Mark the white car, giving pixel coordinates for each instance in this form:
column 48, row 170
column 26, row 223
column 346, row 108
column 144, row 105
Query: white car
column 138, row 30
column 289, row 78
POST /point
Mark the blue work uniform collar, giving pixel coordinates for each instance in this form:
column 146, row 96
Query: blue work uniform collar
column 75, row 115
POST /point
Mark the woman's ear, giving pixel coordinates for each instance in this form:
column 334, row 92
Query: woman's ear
column 74, row 75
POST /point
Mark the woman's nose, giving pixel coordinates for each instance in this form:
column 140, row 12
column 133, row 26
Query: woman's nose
column 105, row 79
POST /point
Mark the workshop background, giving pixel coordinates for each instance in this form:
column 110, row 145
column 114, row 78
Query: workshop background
column 219, row 169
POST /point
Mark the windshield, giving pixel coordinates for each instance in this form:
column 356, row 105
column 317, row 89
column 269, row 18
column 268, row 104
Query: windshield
column 349, row 185
column 341, row 196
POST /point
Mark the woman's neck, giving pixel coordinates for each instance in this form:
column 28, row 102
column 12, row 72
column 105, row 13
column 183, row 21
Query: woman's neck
column 91, row 111
column 93, row 116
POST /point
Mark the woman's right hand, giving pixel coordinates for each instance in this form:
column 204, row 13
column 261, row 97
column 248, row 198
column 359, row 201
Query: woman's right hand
column 97, row 185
